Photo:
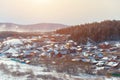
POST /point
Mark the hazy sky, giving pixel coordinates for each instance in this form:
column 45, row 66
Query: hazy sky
column 58, row 11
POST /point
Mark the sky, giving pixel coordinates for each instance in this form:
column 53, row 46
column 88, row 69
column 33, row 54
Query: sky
column 69, row 12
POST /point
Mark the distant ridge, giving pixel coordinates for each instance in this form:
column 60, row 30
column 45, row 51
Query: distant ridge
column 40, row 27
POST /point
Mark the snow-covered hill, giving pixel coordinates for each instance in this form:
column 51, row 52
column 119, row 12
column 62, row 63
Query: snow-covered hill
column 42, row 27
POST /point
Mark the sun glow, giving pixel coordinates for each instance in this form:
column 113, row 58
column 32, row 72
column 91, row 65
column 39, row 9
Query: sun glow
column 41, row 1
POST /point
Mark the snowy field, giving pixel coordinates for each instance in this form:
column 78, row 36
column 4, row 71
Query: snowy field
column 11, row 70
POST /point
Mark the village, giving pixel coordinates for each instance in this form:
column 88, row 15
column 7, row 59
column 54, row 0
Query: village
column 58, row 51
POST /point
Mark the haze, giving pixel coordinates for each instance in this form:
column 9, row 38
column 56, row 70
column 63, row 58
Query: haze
column 68, row 12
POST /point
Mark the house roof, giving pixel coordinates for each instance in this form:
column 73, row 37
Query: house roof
column 11, row 50
column 13, row 42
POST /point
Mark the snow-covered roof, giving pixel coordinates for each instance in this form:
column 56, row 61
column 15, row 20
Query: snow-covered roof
column 70, row 41
column 106, row 43
column 11, row 50
column 56, row 52
column 13, row 42
column 27, row 52
column 117, row 44
column 112, row 64
column 28, row 46
column 26, row 40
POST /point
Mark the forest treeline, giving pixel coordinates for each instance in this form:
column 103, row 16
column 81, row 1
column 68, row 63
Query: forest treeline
column 5, row 34
column 98, row 31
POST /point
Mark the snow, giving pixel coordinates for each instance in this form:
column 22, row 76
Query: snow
column 99, row 68
column 26, row 40
column 43, row 54
column 75, row 59
column 117, row 45
column 28, row 46
column 23, row 68
column 112, row 79
column 88, row 77
column 11, row 50
column 9, row 77
column 10, row 47
column 38, row 70
column 100, row 63
column 112, row 64
column 106, row 43
column 105, row 58
column 70, row 41
column 13, row 42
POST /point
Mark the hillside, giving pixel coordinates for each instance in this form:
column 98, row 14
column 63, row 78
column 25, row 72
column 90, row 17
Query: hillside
column 42, row 27
column 97, row 31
